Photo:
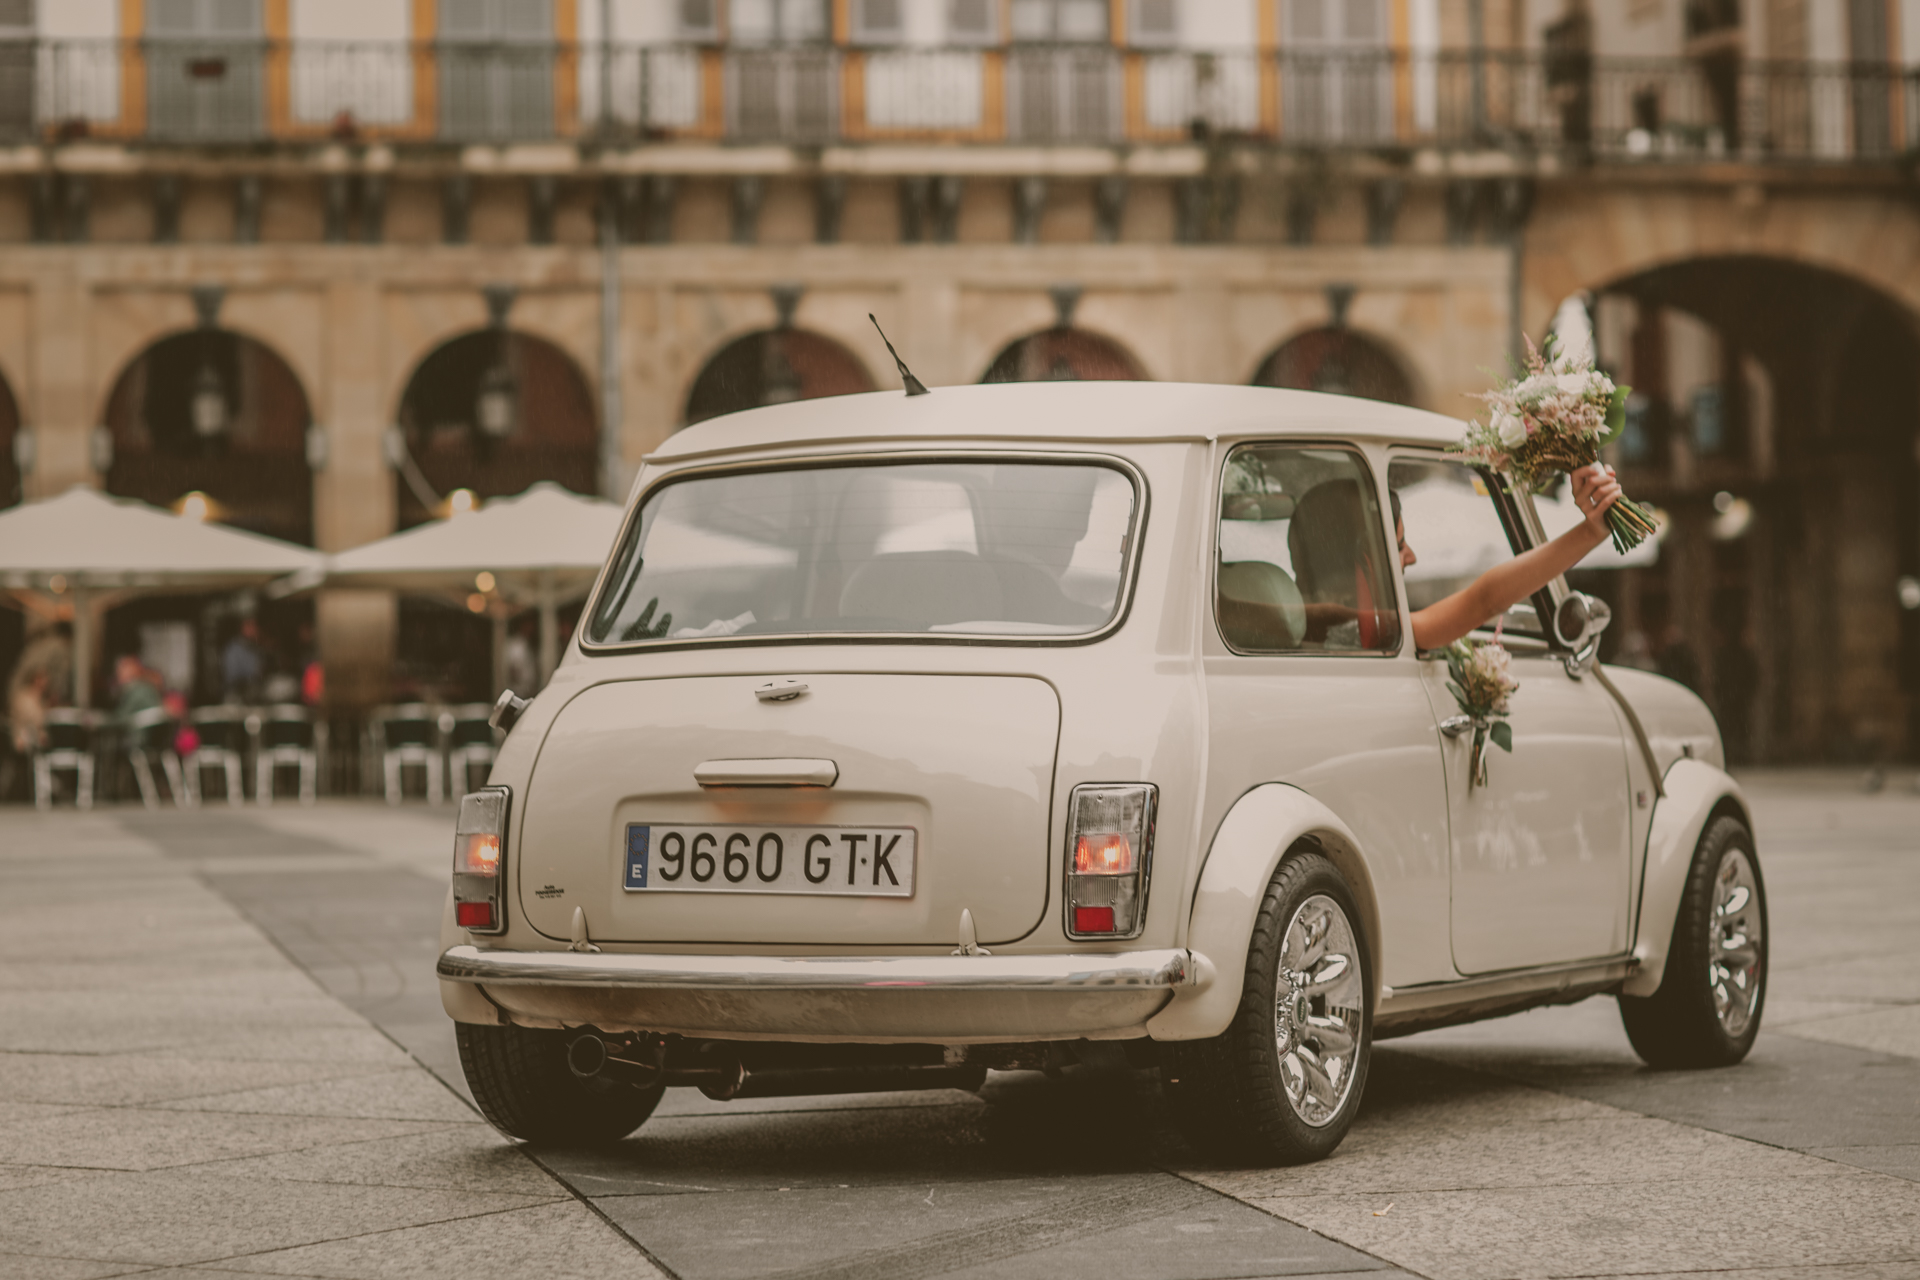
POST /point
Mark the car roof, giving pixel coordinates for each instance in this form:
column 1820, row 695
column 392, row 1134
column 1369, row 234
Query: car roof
column 1063, row 412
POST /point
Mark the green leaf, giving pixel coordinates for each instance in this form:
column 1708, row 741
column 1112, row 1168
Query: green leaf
column 1502, row 735
column 1616, row 415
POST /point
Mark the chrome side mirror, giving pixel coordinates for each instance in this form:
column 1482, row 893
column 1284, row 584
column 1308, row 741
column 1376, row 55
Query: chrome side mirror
column 1577, row 624
column 506, row 710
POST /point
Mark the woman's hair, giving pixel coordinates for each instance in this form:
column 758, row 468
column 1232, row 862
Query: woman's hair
column 1393, row 496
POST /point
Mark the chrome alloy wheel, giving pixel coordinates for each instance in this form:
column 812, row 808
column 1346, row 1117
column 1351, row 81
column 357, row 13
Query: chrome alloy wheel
column 1319, row 1004
column 1733, row 960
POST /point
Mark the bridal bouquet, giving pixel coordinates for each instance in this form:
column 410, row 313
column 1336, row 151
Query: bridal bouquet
column 1555, row 419
column 1482, row 681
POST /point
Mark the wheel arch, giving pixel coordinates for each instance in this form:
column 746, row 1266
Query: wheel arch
column 1263, row 828
column 1697, row 793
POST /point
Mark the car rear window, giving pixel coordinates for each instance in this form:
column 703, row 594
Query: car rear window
column 961, row 549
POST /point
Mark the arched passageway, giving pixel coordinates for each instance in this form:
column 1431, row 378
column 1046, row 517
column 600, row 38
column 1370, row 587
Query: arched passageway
column 214, row 422
column 774, row 366
column 1336, row 360
column 1064, row 355
column 214, row 411
column 494, row 411
column 1774, row 416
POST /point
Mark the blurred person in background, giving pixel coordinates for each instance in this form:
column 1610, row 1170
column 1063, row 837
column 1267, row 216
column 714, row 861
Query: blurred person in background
column 141, row 688
column 521, row 674
column 241, row 665
column 313, row 677
column 42, row 678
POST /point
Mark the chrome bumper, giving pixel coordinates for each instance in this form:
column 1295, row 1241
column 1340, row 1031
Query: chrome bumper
column 627, row 971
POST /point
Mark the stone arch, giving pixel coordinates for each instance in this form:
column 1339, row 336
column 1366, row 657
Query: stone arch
column 418, row 325
column 1583, row 237
column 1341, row 360
column 494, row 410
column 1775, row 420
column 1065, row 354
column 216, row 410
column 772, row 366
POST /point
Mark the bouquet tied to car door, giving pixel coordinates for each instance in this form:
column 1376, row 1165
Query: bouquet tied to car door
column 1481, row 681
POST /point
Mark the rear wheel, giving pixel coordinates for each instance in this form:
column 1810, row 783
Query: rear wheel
column 520, row 1078
column 1707, row 1010
column 1282, row 1084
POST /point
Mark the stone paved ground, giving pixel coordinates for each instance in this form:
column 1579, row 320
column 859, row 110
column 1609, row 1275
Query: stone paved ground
column 221, row 1054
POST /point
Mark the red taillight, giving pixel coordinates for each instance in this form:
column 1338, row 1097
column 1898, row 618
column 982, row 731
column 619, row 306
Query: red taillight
column 479, row 855
column 478, row 915
column 1093, row 919
column 1105, row 854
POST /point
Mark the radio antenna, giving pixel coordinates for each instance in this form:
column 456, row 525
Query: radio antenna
column 913, row 385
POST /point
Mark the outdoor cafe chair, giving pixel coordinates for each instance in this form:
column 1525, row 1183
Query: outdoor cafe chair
column 408, row 735
column 469, row 742
column 150, row 735
column 67, row 746
column 223, row 745
column 285, row 736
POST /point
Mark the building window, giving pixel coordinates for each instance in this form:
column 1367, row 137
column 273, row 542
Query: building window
column 877, row 22
column 697, row 20
column 204, row 70
column 1337, row 77
column 1060, row 21
column 1155, row 23
column 766, row 22
column 972, row 22
column 496, row 69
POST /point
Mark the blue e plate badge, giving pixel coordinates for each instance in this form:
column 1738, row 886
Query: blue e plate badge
column 637, row 857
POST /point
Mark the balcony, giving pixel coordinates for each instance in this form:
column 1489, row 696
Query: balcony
column 207, row 93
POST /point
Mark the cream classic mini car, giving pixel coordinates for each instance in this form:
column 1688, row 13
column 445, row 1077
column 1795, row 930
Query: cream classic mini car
column 905, row 737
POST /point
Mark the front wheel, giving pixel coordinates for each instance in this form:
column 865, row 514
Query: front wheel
column 1282, row 1084
column 1707, row 1010
column 520, row 1078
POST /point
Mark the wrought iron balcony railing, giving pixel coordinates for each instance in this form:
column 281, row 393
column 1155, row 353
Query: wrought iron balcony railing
column 209, row 92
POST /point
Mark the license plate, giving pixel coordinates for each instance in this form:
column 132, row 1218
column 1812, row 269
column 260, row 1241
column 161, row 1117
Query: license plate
column 865, row 862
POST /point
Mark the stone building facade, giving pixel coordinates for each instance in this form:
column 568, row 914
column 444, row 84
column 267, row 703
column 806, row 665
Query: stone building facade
column 338, row 228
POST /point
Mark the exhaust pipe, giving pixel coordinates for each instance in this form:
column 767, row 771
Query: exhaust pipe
column 591, row 1057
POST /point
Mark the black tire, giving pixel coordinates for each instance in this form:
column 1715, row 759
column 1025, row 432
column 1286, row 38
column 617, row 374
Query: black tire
column 520, row 1078
column 1230, row 1094
column 1694, row 1019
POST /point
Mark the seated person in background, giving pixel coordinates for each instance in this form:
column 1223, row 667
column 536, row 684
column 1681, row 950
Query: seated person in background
column 139, row 687
column 1507, row 584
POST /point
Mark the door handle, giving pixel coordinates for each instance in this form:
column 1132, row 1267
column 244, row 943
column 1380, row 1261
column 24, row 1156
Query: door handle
column 766, row 773
column 1454, row 726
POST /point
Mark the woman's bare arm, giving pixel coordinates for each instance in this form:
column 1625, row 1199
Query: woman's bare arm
column 1505, row 585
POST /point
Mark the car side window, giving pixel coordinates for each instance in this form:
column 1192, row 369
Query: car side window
column 1303, row 558
column 1448, row 520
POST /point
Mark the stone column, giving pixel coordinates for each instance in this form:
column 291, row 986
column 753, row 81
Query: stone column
column 59, row 403
column 1202, row 336
column 932, row 333
column 353, row 499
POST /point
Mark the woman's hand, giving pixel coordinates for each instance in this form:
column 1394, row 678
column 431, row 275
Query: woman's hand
column 1595, row 490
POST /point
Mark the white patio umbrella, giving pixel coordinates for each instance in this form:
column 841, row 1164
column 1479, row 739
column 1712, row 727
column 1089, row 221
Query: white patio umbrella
column 543, row 548
column 103, row 549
